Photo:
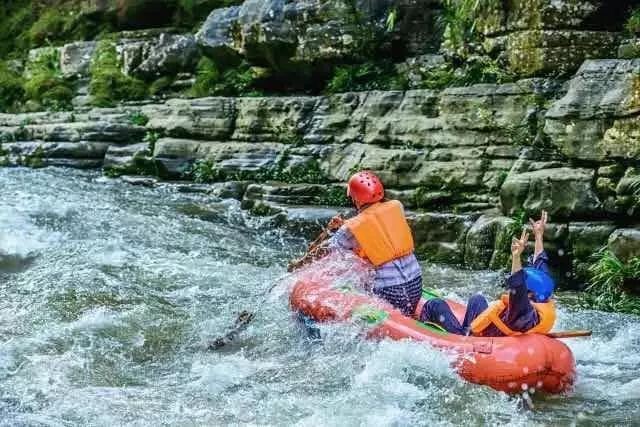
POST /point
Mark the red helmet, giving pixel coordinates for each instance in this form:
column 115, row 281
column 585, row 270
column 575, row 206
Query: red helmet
column 365, row 187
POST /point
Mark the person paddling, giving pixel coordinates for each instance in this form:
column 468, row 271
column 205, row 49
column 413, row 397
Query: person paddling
column 527, row 308
column 380, row 234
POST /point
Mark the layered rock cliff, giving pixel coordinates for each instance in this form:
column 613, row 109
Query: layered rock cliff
column 557, row 129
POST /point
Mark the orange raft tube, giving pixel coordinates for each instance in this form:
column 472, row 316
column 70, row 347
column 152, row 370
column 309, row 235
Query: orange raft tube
column 508, row 364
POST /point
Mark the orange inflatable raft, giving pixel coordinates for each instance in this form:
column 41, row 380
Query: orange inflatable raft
column 508, row 364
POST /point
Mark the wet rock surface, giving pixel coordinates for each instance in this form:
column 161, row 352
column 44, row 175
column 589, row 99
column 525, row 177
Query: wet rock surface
column 483, row 156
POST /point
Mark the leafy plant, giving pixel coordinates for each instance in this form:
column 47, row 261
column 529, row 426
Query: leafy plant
column 11, row 89
column 108, row 83
column 633, row 23
column 205, row 171
column 458, row 18
column 160, row 86
column 45, row 84
column 50, row 24
column 15, row 17
column 364, row 77
column 34, row 160
column 151, row 137
column 334, row 196
column 138, row 118
column 610, row 280
column 207, row 77
column 392, row 17
column 235, row 81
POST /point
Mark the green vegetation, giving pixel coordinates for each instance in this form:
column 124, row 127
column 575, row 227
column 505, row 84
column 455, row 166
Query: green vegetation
column 611, row 283
column 206, row 171
column 502, row 249
column 633, row 23
column 366, row 76
column 476, row 69
column 138, row 118
column 26, row 24
column 460, row 19
column 334, row 196
column 44, row 83
column 50, row 24
column 11, row 88
column 213, row 80
column 34, row 160
column 392, row 17
column 151, row 137
column 161, row 85
column 108, row 83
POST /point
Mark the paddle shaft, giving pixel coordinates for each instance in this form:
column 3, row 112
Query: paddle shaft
column 246, row 316
column 569, row 334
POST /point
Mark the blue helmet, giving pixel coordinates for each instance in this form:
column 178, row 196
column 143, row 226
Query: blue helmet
column 539, row 283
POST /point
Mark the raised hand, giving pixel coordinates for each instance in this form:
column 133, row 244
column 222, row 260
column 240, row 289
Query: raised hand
column 539, row 226
column 519, row 245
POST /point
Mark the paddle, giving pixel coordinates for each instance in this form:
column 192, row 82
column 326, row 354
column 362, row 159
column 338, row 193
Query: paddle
column 245, row 317
column 569, row 334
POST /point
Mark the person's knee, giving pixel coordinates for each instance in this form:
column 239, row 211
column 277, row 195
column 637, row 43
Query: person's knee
column 477, row 300
column 433, row 310
column 436, row 304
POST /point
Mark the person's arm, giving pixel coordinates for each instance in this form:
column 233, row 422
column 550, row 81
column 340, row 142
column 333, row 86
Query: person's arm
column 517, row 247
column 538, row 232
column 519, row 304
column 342, row 239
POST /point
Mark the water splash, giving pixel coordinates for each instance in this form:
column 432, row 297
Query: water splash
column 106, row 325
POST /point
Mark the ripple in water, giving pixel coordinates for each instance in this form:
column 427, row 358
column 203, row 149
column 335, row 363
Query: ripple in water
column 109, row 293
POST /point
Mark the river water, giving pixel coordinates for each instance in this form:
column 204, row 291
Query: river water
column 109, row 293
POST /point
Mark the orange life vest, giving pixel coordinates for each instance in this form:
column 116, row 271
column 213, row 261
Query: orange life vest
column 491, row 316
column 382, row 232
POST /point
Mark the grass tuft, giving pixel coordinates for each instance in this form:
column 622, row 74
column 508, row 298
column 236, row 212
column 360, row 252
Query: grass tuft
column 612, row 282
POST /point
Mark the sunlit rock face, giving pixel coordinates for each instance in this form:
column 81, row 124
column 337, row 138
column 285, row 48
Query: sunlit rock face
column 544, row 37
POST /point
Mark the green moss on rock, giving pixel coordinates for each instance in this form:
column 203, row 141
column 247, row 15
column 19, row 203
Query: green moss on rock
column 11, row 88
column 44, row 83
column 109, row 84
column 366, row 76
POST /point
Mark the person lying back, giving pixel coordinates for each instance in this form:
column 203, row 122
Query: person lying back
column 527, row 307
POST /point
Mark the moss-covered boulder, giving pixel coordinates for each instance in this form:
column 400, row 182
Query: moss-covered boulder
column 550, row 37
column 625, row 243
column 547, row 52
column 480, row 241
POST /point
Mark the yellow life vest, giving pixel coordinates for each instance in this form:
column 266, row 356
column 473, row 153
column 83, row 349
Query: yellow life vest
column 382, row 232
column 491, row 316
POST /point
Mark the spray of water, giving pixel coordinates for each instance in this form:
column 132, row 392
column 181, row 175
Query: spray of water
column 113, row 291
